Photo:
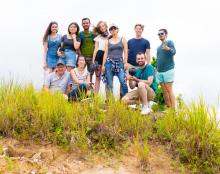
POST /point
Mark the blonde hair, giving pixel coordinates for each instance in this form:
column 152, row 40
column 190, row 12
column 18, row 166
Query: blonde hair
column 141, row 25
column 97, row 28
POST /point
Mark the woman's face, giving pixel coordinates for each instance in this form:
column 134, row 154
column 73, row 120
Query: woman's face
column 102, row 27
column 81, row 62
column 73, row 29
column 113, row 30
column 54, row 28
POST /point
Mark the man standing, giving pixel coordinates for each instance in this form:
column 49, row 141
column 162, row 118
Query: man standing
column 145, row 81
column 59, row 80
column 136, row 45
column 87, row 43
column 165, row 67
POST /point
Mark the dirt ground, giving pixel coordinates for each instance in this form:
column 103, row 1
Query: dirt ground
column 26, row 157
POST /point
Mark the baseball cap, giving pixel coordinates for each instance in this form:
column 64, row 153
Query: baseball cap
column 113, row 25
column 60, row 61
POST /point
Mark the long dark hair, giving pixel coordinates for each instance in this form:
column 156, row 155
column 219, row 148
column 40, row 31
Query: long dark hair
column 77, row 26
column 77, row 61
column 48, row 31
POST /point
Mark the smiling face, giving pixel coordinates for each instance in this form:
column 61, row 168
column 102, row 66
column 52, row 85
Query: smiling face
column 138, row 30
column 60, row 69
column 140, row 59
column 54, row 28
column 113, row 30
column 81, row 62
column 162, row 35
column 102, row 27
column 72, row 29
column 86, row 24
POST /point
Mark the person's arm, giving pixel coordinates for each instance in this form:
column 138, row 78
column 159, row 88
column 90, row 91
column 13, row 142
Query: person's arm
column 105, row 57
column 59, row 53
column 149, row 80
column 95, row 51
column 169, row 46
column 45, row 47
column 125, row 45
column 46, row 85
column 76, row 43
column 148, row 56
column 75, row 79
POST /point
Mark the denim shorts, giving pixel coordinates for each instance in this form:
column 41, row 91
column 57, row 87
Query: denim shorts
column 165, row 77
column 70, row 57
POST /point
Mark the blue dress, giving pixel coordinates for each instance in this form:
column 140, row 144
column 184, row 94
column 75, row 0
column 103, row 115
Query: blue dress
column 53, row 45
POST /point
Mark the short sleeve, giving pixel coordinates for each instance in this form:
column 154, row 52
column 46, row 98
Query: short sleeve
column 62, row 38
column 78, row 39
column 151, row 71
column 147, row 44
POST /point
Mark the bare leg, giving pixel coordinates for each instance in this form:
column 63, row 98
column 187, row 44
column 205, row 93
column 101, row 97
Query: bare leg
column 165, row 94
column 97, row 80
column 142, row 91
column 169, row 89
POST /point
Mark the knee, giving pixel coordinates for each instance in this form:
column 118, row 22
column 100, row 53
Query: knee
column 141, row 85
column 125, row 99
column 82, row 86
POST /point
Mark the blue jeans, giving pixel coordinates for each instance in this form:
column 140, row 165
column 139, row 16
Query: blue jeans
column 78, row 92
column 121, row 77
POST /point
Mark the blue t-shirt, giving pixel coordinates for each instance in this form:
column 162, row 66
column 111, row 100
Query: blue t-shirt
column 165, row 61
column 144, row 73
column 135, row 46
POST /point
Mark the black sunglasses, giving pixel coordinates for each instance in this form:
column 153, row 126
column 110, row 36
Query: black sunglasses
column 161, row 34
column 113, row 28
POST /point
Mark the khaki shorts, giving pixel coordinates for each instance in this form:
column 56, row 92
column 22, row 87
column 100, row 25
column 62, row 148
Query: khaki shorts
column 133, row 95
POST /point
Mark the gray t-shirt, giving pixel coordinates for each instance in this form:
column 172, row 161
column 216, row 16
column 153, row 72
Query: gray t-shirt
column 56, row 83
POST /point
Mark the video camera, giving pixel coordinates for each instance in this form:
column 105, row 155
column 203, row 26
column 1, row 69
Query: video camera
column 132, row 71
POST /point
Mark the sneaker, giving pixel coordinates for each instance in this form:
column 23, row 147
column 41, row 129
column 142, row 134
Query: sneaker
column 146, row 111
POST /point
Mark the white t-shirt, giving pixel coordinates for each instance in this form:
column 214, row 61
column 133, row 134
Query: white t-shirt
column 79, row 76
column 101, row 42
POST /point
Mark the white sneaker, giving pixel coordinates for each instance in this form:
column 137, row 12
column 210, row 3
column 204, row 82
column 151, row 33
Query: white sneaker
column 146, row 111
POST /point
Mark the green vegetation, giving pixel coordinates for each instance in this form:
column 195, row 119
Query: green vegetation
column 191, row 132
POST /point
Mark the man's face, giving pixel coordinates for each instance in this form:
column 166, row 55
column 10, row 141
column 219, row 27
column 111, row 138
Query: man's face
column 86, row 24
column 162, row 35
column 140, row 59
column 61, row 69
column 138, row 30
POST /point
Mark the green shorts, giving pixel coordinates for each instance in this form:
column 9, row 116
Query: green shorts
column 165, row 77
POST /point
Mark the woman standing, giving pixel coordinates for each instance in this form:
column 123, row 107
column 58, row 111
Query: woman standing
column 81, row 78
column 113, row 62
column 51, row 43
column 99, row 50
column 69, row 44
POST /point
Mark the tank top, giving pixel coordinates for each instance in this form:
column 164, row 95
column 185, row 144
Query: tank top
column 79, row 76
column 115, row 50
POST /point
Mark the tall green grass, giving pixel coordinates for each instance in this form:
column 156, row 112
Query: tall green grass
column 194, row 136
column 29, row 114
column 192, row 131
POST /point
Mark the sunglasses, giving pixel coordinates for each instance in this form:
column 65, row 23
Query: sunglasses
column 113, row 28
column 161, row 34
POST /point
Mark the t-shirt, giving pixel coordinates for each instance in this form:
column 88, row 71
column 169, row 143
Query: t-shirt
column 135, row 46
column 56, row 83
column 101, row 42
column 87, row 43
column 165, row 61
column 144, row 73
column 68, row 43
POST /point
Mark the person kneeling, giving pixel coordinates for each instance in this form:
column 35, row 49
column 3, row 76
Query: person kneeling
column 81, row 80
column 145, row 81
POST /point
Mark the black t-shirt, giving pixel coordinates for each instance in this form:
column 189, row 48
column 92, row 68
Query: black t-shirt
column 68, row 43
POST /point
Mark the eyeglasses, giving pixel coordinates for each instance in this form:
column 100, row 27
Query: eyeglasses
column 113, row 28
column 161, row 34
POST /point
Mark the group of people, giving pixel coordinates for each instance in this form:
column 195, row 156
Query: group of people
column 72, row 59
